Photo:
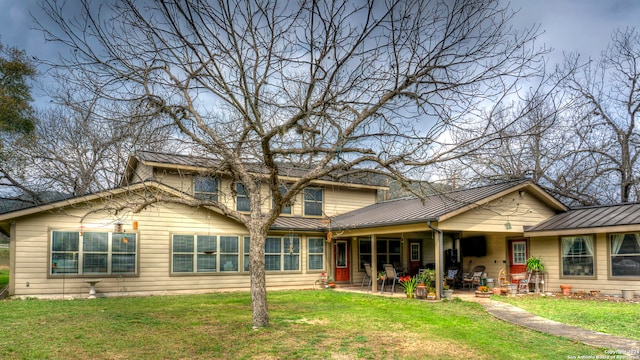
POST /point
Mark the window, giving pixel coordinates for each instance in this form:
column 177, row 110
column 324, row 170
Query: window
column 316, row 254
column 246, row 248
column 313, row 201
column 625, row 254
column 286, row 209
column 93, row 253
column 205, row 188
column 282, row 253
column 242, row 198
column 388, row 252
column 204, row 253
column 577, row 255
column 415, row 251
column 519, row 251
column 365, row 252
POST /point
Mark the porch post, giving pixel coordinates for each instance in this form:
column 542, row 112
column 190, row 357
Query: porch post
column 374, row 264
column 439, row 257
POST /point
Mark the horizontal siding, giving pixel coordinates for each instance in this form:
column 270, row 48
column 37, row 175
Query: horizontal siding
column 155, row 227
column 493, row 216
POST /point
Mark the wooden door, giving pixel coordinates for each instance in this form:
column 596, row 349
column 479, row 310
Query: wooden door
column 342, row 261
column 518, row 252
column 415, row 257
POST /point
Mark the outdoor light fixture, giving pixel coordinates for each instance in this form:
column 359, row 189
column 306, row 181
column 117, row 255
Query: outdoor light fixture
column 507, row 225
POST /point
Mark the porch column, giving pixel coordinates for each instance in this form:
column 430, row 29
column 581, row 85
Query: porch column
column 374, row 265
column 439, row 260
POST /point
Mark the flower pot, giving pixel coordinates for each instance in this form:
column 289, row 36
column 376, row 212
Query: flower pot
column 566, row 289
column 448, row 294
column 627, row 294
column 431, row 296
column 496, row 291
column 481, row 294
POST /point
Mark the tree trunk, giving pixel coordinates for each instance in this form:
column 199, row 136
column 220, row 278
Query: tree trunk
column 258, row 281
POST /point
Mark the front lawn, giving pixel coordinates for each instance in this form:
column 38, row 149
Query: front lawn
column 313, row 324
column 615, row 318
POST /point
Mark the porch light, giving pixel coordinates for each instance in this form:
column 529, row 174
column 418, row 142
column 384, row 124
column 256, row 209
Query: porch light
column 507, row 225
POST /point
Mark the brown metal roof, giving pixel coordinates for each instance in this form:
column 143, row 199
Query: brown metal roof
column 414, row 210
column 298, row 224
column 591, row 217
column 206, row 163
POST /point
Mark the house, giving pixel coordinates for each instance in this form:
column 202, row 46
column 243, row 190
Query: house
column 333, row 226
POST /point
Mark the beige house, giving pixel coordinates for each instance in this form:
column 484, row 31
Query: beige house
column 333, row 227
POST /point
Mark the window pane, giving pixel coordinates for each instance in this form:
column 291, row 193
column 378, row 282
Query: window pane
column 65, row 241
column 272, row 262
column 94, row 263
column 292, row 245
column 228, row 244
column 365, row 246
column 123, row 242
column 95, row 242
column 206, row 262
column 242, row 198
column 247, row 241
column 272, row 245
column 316, row 246
column 123, row 263
column 64, row 263
column 291, row 262
column 312, row 201
column 577, row 256
column 205, row 188
column 625, row 254
column 206, row 243
column 182, row 263
column 316, row 262
column 229, row 262
column 182, row 243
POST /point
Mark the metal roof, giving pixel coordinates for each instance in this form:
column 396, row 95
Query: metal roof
column 415, row 210
column 591, row 217
column 211, row 164
column 298, row 224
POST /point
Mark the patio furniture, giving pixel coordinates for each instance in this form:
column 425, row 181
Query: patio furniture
column 474, row 277
column 367, row 274
column 390, row 276
column 522, row 281
column 451, row 277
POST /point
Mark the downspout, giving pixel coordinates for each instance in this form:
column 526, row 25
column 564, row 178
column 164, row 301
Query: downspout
column 439, row 259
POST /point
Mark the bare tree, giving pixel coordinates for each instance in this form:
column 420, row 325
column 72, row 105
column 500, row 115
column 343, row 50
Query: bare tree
column 608, row 97
column 340, row 87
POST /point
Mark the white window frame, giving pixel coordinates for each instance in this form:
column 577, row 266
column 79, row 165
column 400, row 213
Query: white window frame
column 242, row 197
column 284, row 253
column 198, row 253
column 206, row 195
column 573, row 271
column 316, row 254
column 312, row 200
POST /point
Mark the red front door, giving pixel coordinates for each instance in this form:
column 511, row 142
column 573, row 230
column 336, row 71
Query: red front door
column 342, row 261
column 415, row 262
column 518, row 253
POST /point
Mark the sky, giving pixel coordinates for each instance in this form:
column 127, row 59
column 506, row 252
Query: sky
column 583, row 26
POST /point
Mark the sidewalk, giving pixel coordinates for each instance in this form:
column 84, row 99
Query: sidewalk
column 517, row 316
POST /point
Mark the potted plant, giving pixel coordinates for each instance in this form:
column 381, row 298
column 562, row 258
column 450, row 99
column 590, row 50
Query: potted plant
column 534, row 264
column 381, row 275
column 448, row 292
column 483, row 292
column 331, row 282
column 408, row 284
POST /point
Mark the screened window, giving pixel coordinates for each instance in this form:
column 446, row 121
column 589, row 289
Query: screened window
column 282, row 253
column 316, row 254
column 242, row 198
column 625, row 254
column 313, row 198
column 93, row 253
column 577, row 255
column 204, row 253
column 206, row 188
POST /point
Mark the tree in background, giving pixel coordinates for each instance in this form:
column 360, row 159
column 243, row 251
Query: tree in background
column 338, row 87
column 16, row 113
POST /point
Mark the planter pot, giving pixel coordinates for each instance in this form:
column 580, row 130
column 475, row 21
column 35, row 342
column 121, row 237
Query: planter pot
column 495, row 290
column 566, row 289
column 332, row 285
column 448, row 294
column 431, row 296
column 421, row 291
column 481, row 294
column 627, row 294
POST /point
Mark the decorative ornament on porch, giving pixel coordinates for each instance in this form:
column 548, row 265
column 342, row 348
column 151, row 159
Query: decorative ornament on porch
column 409, row 284
column 483, row 292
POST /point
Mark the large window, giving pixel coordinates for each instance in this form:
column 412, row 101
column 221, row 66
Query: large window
column 206, row 188
column 625, row 254
column 316, row 254
column 313, row 198
column 93, row 253
column 365, row 252
column 282, row 253
column 577, row 255
column 388, row 252
column 204, row 253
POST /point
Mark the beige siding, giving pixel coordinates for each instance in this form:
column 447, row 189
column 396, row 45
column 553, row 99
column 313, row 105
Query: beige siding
column 512, row 209
column 341, row 200
column 156, row 225
column 548, row 248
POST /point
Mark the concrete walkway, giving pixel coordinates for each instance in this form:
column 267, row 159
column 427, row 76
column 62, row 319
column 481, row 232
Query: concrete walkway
column 615, row 345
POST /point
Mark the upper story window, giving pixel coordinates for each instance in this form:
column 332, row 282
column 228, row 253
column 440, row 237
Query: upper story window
column 206, row 187
column 93, row 253
column 242, row 198
column 577, row 255
column 286, row 209
column 313, row 199
column 625, row 255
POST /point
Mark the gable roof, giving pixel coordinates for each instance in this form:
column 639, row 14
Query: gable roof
column 191, row 163
column 598, row 217
column 436, row 208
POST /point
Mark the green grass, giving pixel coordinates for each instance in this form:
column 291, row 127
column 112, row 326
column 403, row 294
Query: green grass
column 4, row 278
column 615, row 318
column 303, row 325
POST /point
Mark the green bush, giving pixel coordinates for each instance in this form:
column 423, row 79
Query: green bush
column 4, row 258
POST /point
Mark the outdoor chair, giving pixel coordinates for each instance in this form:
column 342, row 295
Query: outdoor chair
column 451, row 276
column 390, row 276
column 367, row 274
column 522, row 280
column 474, row 277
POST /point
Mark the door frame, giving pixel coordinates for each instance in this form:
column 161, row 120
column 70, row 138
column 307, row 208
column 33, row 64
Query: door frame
column 513, row 266
column 342, row 269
